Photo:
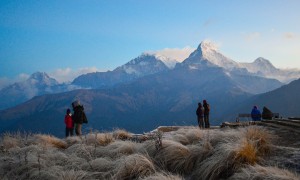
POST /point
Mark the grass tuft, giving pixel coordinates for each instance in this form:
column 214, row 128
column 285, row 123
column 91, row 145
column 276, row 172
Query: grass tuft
column 71, row 175
column 163, row 176
column 174, row 157
column 10, row 141
column 246, row 153
column 52, row 141
column 121, row 134
column 261, row 138
column 105, row 138
column 260, row 172
column 134, row 166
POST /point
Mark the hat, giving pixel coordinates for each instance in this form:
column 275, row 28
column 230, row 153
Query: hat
column 68, row 111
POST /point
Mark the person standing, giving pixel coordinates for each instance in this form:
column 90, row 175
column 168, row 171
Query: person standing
column 79, row 117
column 206, row 113
column 255, row 114
column 69, row 123
column 199, row 113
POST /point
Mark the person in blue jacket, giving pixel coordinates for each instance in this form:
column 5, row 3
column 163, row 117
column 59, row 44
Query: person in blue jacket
column 255, row 114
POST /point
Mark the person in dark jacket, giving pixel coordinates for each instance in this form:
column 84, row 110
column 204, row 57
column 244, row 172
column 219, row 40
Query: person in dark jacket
column 199, row 113
column 255, row 114
column 206, row 113
column 79, row 117
column 69, row 123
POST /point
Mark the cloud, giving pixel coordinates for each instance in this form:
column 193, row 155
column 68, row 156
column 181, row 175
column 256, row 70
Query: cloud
column 178, row 54
column 68, row 74
column 5, row 81
column 289, row 35
column 22, row 77
column 252, row 36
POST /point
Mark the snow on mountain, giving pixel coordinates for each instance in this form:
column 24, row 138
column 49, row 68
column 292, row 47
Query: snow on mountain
column 145, row 64
column 38, row 83
column 264, row 68
column 41, row 79
column 260, row 66
column 209, row 52
column 170, row 63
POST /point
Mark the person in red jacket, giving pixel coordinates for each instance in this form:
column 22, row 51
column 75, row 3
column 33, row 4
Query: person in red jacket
column 69, row 123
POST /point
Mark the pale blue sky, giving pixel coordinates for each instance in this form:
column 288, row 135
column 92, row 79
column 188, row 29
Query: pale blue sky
column 68, row 35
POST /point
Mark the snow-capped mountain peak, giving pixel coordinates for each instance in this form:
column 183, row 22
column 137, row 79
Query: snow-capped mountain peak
column 143, row 65
column 42, row 78
column 263, row 62
column 260, row 65
column 207, row 46
column 208, row 51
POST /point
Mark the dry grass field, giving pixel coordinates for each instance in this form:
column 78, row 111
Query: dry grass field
column 185, row 153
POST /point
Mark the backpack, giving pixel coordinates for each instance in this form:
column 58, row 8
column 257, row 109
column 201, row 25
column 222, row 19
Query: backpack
column 83, row 116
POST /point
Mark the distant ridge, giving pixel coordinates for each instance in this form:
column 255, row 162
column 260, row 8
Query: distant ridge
column 284, row 100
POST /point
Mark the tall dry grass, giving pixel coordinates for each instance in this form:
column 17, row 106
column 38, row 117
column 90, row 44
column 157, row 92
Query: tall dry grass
column 71, row 175
column 116, row 149
column 233, row 150
column 101, row 139
column 246, row 153
column 268, row 173
column 260, row 137
column 10, row 141
column 133, row 167
column 186, row 136
column 121, row 134
column 174, row 157
column 49, row 140
column 163, row 176
column 187, row 153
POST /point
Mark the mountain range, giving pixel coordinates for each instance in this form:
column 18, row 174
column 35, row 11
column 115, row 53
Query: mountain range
column 149, row 91
column 37, row 84
column 147, row 64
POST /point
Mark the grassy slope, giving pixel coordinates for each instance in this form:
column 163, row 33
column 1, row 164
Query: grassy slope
column 186, row 153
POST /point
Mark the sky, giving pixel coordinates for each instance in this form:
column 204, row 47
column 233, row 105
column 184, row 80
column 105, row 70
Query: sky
column 71, row 37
